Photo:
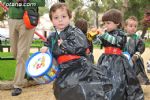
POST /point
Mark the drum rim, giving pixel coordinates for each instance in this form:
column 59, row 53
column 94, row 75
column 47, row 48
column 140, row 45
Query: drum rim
column 27, row 63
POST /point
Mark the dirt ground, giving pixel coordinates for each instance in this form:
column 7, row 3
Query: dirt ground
column 45, row 92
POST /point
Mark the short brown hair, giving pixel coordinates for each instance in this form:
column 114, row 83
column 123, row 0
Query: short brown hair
column 59, row 6
column 131, row 18
column 82, row 25
column 113, row 15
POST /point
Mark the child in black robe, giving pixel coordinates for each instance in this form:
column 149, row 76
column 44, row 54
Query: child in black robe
column 78, row 79
column 135, row 47
column 82, row 24
column 113, row 63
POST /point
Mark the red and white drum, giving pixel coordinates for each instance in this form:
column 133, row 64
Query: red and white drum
column 42, row 67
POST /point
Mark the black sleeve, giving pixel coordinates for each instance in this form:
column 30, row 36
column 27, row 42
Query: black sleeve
column 75, row 42
column 140, row 46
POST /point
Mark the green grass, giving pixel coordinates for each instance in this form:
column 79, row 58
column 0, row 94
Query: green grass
column 38, row 43
column 7, row 67
column 147, row 43
column 5, row 54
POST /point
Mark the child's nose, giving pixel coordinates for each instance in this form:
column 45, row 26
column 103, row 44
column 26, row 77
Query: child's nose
column 60, row 19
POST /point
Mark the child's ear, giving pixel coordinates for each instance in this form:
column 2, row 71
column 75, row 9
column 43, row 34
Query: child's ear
column 125, row 27
column 118, row 24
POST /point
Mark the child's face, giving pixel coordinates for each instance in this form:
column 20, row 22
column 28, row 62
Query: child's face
column 60, row 19
column 110, row 26
column 131, row 27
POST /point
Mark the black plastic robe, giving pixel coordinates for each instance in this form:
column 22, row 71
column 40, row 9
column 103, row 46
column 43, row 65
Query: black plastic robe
column 117, row 68
column 78, row 79
column 136, row 45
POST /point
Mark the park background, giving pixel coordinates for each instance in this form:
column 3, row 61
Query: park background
column 91, row 10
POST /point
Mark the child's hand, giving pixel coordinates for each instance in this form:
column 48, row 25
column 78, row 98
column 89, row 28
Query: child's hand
column 60, row 41
column 134, row 58
column 94, row 29
column 101, row 30
column 98, row 31
column 44, row 49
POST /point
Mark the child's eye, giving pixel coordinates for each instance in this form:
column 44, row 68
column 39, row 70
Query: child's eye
column 108, row 22
column 55, row 17
column 130, row 25
column 64, row 16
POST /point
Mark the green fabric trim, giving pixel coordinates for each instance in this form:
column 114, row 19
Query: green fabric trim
column 109, row 38
column 135, row 36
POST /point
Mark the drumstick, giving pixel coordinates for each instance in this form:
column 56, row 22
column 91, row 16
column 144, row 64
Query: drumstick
column 40, row 36
column 3, row 6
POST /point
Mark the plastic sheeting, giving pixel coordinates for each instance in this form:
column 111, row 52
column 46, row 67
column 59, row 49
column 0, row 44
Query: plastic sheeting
column 125, row 83
column 140, row 71
column 80, row 80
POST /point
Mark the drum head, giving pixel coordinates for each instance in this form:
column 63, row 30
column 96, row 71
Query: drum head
column 38, row 64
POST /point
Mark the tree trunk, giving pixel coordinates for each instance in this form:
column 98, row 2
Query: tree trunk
column 97, row 19
column 145, row 27
column 125, row 6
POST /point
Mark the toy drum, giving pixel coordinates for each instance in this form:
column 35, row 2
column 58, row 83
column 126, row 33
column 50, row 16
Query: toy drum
column 42, row 67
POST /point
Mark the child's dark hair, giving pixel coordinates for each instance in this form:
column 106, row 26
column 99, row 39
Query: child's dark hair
column 59, row 6
column 82, row 24
column 130, row 18
column 113, row 15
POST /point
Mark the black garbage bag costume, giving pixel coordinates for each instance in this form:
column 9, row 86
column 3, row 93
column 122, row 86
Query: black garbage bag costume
column 90, row 56
column 78, row 79
column 135, row 46
column 117, row 68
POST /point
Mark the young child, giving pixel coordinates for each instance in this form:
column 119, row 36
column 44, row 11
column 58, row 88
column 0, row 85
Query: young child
column 135, row 47
column 83, row 25
column 78, row 79
column 113, row 63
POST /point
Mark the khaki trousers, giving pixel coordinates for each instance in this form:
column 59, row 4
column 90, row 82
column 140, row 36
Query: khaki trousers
column 20, row 40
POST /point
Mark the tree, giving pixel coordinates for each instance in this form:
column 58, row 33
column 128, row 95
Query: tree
column 100, row 6
column 136, row 8
column 43, row 10
column 76, row 7
column 81, row 14
column 74, row 4
column 95, row 6
column 124, row 7
column 128, row 7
